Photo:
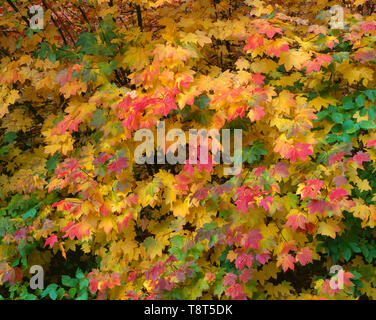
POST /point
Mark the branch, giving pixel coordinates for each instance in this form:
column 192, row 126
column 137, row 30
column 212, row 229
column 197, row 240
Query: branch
column 85, row 17
column 139, row 17
column 55, row 23
column 16, row 9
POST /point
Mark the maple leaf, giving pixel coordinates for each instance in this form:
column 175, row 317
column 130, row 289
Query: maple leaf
column 276, row 48
column 117, row 165
column 7, row 97
column 281, row 169
column 254, row 41
column 181, row 209
column 296, row 221
column 301, row 151
column 246, row 275
column 266, row 203
column 153, row 247
column 338, row 193
column 293, row 58
column 229, row 279
column 199, row 37
column 68, row 123
column 263, row 257
column 245, row 199
column 235, row 291
column 256, row 114
column 335, row 158
column 287, row 261
column 316, row 64
column 107, row 224
column 252, row 239
column 50, row 241
column 78, row 230
column 231, row 255
column 298, row 91
column 368, row 26
column 289, row 246
column 267, row 28
column 243, row 260
column 123, row 222
column 317, row 206
column 209, row 277
column 304, row 256
column 310, row 188
column 370, row 143
column 328, row 229
column 361, row 157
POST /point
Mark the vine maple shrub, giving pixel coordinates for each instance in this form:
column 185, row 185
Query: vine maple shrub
column 73, row 199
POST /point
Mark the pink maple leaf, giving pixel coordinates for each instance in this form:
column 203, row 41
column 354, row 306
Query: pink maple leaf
column 117, row 165
column 335, row 158
column 263, row 257
column 281, row 168
column 235, row 291
column 252, row 239
column 296, row 221
column 368, row 26
column 304, row 256
column 246, row 275
column 266, row 203
column 338, row 193
column 361, row 157
column 229, row 278
column 316, row 205
column 256, row 114
column 370, row 143
column 243, row 260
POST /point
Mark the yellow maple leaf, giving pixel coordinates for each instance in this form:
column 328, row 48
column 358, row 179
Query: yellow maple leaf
column 198, row 37
column 181, row 208
column 363, row 185
column 293, row 58
column 264, row 66
column 107, row 223
column 328, row 229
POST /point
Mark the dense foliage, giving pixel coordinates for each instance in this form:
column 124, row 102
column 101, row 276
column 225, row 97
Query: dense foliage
column 73, row 200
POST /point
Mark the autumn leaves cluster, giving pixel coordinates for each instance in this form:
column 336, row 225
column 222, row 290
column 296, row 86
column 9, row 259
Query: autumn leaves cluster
column 73, row 95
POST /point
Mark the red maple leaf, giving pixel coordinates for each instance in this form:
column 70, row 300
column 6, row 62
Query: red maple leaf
column 312, row 187
column 254, row 41
column 276, row 51
column 301, row 151
column 50, row 241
